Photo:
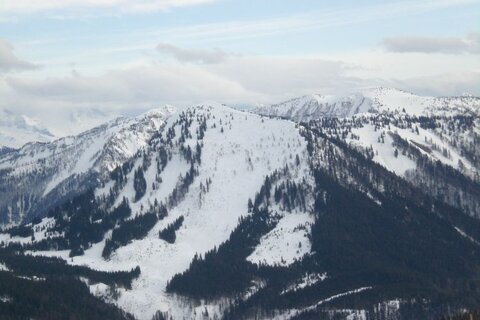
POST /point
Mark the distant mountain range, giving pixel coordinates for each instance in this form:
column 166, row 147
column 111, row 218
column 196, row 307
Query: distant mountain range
column 17, row 129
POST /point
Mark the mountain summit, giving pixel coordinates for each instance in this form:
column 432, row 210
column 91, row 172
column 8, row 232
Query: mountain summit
column 376, row 100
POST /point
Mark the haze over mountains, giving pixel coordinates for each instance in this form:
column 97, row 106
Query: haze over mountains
column 18, row 128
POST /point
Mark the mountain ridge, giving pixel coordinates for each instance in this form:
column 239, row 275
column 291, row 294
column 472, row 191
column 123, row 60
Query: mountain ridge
column 40, row 168
column 379, row 99
column 235, row 215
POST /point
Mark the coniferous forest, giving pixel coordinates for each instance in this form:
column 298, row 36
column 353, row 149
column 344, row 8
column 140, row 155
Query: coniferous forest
column 239, row 160
column 366, row 241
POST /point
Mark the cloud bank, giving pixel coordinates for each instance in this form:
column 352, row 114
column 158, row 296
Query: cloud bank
column 450, row 45
column 9, row 61
column 192, row 55
column 125, row 6
column 236, row 80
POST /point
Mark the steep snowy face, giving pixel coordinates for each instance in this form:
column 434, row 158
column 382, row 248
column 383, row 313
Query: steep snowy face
column 387, row 100
column 17, row 129
column 235, row 151
column 238, row 151
column 316, row 106
column 430, row 141
column 186, row 190
column 40, row 173
column 437, row 154
column 131, row 136
column 394, row 100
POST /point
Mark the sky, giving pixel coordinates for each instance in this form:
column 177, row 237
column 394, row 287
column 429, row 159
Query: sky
column 127, row 56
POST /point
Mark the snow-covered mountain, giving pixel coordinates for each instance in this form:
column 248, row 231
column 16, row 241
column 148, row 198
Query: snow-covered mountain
column 38, row 175
column 400, row 130
column 315, row 106
column 71, row 122
column 231, row 214
column 205, row 165
column 18, row 129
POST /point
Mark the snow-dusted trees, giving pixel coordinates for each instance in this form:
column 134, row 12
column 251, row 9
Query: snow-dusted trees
column 139, row 184
column 129, row 230
column 168, row 234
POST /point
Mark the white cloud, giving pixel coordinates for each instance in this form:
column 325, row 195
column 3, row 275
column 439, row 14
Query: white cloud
column 192, row 55
column 9, row 61
column 446, row 84
column 72, row 9
column 281, row 77
column 393, row 65
column 239, row 80
column 235, row 30
column 28, row 6
column 140, row 87
column 450, row 45
column 235, row 80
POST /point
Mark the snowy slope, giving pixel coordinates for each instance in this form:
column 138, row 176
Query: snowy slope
column 95, row 147
column 315, row 106
column 239, row 150
column 380, row 99
column 18, row 129
column 435, row 154
column 37, row 169
column 440, row 129
column 426, row 141
column 287, row 242
column 394, row 100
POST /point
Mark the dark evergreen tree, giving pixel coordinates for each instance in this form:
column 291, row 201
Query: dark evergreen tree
column 139, row 184
column 168, row 234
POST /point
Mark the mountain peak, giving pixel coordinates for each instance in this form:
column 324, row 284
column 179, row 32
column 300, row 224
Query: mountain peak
column 376, row 99
column 316, row 106
column 164, row 110
column 386, row 90
column 18, row 129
